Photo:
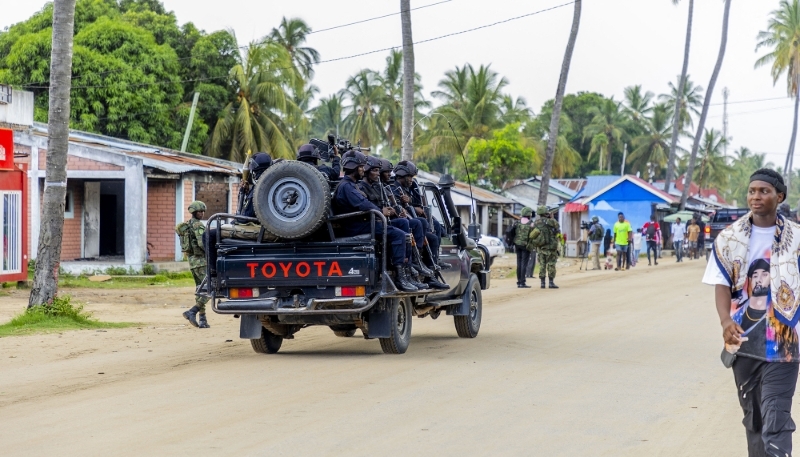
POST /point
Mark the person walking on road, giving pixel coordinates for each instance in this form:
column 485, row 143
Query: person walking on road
column 693, row 232
column 637, row 247
column 623, row 235
column 678, row 230
column 595, row 238
column 544, row 239
column 522, row 231
column 191, row 238
column 757, row 296
column 652, row 234
column 701, row 237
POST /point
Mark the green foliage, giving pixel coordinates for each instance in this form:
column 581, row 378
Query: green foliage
column 116, row 271
column 148, row 269
column 59, row 315
column 503, row 157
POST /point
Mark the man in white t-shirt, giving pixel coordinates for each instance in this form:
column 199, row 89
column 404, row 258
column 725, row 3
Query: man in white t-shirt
column 678, row 231
column 754, row 269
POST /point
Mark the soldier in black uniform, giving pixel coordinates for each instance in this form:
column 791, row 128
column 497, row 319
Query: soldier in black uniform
column 406, row 193
column 309, row 154
column 348, row 198
column 258, row 165
column 376, row 194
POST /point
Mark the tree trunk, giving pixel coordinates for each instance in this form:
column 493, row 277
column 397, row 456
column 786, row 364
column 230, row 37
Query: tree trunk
column 45, row 278
column 709, row 94
column 408, row 82
column 554, row 121
column 676, row 126
column 787, row 170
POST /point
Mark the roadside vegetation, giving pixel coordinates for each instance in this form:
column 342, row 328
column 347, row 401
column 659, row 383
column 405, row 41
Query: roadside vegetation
column 127, row 280
column 62, row 314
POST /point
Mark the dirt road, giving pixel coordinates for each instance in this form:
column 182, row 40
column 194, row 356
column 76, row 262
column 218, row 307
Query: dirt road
column 613, row 363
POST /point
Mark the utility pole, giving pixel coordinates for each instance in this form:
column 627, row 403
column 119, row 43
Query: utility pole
column 624, row 158
column 189, row 124
column 725, row 94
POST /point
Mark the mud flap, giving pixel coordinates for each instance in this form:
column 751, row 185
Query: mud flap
column 380, row 320
column 249, row 327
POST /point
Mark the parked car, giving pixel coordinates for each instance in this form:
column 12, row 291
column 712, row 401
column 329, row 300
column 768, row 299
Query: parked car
column 492, row 247
column 720, row 220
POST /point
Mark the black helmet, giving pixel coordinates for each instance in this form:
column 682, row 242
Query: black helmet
column 402, row 169
column 412, row 169
column 353, row 160
column 386, row 165
column 308, row 152
column 259, row 163
column 372, row 162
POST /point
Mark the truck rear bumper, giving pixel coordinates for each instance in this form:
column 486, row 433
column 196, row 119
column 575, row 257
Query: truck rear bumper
column 275, row 306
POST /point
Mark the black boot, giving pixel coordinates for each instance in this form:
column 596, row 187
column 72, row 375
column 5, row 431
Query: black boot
column 190, row 315
column 419, row 265
column 552, row 284
column 401, row 280
column 202, row 321
column 434, row 283
column 412, row 278
column 543, row 286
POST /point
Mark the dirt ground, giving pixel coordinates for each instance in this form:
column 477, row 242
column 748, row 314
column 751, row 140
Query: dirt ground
column 612, row 364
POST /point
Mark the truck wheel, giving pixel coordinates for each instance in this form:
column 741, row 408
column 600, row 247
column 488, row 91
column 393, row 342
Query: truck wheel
column 269, row 343
column 487, row 259
column 397, row 343
column 292, row 199
column 468, row 326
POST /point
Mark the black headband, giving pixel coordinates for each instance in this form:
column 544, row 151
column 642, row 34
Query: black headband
column 779, row 186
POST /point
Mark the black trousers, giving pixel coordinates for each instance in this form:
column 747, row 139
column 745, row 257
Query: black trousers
column 765, row 391
column 651, row 246
column 522, row 262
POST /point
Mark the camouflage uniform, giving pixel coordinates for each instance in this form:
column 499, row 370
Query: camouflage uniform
column 521, row 234
column 545, row 232
column 197, row 259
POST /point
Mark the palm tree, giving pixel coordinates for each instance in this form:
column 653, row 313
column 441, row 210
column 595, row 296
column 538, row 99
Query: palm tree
column 651, row 149
column 392, row 105
column 299, row 122
column 328, row 116
column 409, row 80
column 678, row 107
column 783, row 37
column 743, row 164
column 600, row 147
column 691, row 102
column 291, row 34
column 514, row 110
column 366, row 94
column 255, row 120
column 702, row 122
column 45, row 277
column 608, row 120
column 637, row 104
column 714, row 170
column 556, row 117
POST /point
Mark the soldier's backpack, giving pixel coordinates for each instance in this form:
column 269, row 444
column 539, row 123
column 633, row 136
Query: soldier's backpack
column 597, row 232
column 184, row 231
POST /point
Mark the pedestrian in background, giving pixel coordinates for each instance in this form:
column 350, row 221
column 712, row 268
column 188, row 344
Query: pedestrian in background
column 637, row 246
column 522, row 231
column 701, row 236
column 652, row 235
column 678, row 230
column 607, row 241
column 693, row 232
column 190, row 234
column 623, row 235
column 595, row 238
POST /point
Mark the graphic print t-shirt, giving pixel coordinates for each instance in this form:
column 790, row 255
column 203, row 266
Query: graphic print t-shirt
column 768, row 339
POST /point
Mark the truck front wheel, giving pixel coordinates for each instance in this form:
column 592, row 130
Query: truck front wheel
column 269, row 343
column 469, row 325
column 400, row 337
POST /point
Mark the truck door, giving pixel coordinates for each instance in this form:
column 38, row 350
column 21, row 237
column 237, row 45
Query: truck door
column 448, row 251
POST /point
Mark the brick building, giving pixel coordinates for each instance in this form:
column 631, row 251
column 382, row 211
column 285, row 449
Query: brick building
column 123, row 198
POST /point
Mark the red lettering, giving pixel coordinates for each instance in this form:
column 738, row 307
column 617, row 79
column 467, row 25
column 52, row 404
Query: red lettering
column 252, row 269
column 264, row 270
column 305, row 266
column 335, row 269
column 285, row 268
column 319, row 266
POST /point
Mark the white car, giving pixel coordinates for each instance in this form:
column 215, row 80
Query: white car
column 493, row 246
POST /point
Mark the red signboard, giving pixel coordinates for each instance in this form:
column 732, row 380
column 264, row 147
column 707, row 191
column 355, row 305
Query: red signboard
column 6, row 149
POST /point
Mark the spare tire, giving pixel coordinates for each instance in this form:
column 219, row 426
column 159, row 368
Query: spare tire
column 292, row 199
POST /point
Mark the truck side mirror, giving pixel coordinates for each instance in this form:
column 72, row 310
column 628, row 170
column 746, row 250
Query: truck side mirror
column 474, row 231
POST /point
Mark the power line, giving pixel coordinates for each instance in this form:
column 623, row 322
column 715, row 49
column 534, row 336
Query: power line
column 337, row 59
column 32, row 84
column 755, row 111
column 749, row 101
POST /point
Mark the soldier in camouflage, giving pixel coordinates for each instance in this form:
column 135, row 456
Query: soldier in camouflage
column 197, row 262
column 522, row 231
column 544, row 239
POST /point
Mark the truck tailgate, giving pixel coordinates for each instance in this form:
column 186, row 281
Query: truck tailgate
column 296, row 270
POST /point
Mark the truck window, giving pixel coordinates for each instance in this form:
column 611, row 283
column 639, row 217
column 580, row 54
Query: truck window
column 729, row 216
column 436, row 211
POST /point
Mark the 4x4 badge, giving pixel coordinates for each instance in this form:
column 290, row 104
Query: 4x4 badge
column 353, row 271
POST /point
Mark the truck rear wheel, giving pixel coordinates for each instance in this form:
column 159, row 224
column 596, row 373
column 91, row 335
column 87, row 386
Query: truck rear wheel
column 291, row 199
column 400, row 337
column 269, row 343
column 469, row 325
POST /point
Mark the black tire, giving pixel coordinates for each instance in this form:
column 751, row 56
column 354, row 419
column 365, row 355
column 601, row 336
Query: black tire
column 398, row 342
column 469, row 326
column 487, row 259
column 269, row 343
column 292, row 199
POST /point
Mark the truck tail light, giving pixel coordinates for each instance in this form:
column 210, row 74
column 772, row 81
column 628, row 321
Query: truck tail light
column 243, row 293
column 355, row 291
column 707, row 230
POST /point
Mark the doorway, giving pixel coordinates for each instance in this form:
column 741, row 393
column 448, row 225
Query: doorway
column 112, row 218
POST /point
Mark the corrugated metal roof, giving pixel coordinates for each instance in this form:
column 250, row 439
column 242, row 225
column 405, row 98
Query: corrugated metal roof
column 163, row 159
column 573, row 184
column 480, row 195
column 593, row 185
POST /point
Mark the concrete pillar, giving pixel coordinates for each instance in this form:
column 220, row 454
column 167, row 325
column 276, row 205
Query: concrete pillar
column 33, row 198
column 500, row 222
column 485, row 219
column 91, row 219
column 135, row 213
column 179, row 209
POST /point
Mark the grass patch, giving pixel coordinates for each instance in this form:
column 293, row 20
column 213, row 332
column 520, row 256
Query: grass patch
column 163, row 279
column 60, row 315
